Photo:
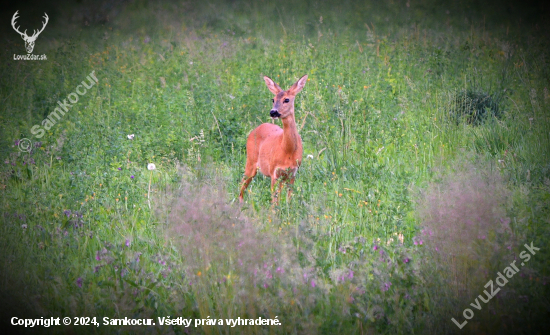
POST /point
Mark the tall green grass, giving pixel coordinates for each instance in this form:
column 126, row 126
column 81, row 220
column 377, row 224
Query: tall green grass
column 378, row 116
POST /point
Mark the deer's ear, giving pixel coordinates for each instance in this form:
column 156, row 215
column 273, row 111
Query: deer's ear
column 273, row 87
column 297, row 87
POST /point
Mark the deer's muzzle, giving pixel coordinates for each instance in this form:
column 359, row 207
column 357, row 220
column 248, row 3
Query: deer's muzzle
column 274, row 113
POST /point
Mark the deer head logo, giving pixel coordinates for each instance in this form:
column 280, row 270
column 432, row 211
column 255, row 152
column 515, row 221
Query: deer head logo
column 29, row 40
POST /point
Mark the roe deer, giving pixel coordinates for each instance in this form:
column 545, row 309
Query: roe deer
column 276, row 152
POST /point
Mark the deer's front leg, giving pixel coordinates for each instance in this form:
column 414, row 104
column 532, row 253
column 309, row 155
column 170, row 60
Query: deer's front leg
column 290, row 185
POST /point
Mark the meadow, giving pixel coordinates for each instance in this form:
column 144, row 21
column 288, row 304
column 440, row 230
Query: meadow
column 426, row 169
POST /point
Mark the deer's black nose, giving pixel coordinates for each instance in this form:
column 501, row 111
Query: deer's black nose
column 274, row 113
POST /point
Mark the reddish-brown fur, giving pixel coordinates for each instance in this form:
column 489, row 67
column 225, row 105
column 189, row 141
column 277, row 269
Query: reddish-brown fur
column 276, row 152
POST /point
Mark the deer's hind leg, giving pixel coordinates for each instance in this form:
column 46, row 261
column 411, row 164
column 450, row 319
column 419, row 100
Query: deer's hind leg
column 249, row 173
column 251, row 168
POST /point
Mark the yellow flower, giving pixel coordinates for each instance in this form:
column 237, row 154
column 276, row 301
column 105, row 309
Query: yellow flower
column 199, row 273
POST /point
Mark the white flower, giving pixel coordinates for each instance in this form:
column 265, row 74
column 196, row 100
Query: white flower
column 24, row 226
column 131, row 136
column 151, row 166
column 310, row 156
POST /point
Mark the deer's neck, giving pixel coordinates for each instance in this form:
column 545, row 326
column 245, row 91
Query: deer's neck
column 291, row 139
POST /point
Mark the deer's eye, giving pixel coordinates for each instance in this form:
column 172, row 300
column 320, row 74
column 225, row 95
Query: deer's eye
column 286, row 100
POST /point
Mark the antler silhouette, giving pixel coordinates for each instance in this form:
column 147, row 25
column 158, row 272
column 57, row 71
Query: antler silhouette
column 13, row 19
column 29, row 40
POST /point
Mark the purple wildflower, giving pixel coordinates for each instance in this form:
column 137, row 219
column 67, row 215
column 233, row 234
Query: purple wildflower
column 132, row 176
column 79, row 282
column 127, row 243
column 313, row 283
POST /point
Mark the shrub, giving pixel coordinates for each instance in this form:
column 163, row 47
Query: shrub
column 474, row 107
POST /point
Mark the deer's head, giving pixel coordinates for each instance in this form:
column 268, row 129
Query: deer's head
column 29, row 40
column 283, row 102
